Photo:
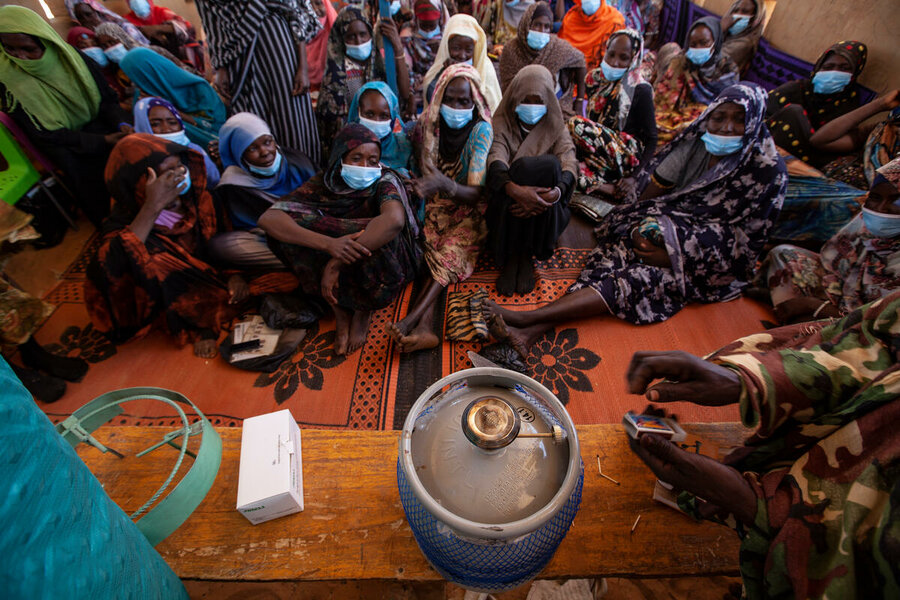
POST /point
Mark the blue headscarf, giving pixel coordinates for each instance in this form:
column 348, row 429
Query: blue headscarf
column 156, row 75
column 395, row 148
column 235, row 137
column 142, row 125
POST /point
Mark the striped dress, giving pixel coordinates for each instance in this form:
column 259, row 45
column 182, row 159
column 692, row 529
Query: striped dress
column 265, row 33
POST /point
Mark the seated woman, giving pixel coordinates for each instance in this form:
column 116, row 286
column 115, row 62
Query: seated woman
column 349, row 234
column 743, row 26
column 531, row 174
column 708, row 201
column 504, row 22
column 376, row 107
column 464, row 42
column 535, row 46
column 91, row 13
column 689, row 77
column 163, row 27
column 619, row 135
column 858, row 265
column 588, row 25
column 85, row 40
column 116, row 43
column 199, row 105
column 422, row 45
column 257, row 173
column 150, row 266
column 352, row 62
column 62, row 102
column 159, row 117
column 457, row 136
column 799, row 108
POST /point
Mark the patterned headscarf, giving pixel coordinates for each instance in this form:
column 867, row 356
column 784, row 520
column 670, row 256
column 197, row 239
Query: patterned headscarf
column 351, row 136
column 107, row 16
column 609, row 102
column 431, row 118
column 126, row 178
column 117, row 33
column 891, row 172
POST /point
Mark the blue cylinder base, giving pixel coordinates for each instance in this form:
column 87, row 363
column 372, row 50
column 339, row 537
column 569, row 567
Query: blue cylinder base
column 487, row 565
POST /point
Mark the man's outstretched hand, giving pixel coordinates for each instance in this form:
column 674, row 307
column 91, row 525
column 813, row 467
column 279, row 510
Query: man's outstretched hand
column 687, row 378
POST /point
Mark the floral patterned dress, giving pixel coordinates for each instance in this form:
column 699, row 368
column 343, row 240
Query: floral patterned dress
column 713, row 228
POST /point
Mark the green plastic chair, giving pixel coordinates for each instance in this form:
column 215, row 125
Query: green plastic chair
column 17, row 175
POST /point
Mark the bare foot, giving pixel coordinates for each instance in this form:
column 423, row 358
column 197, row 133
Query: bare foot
column 205, row 348
column 421, row 338
column 516, row 318
column 520, row 338
column 400, row 329
column 342, row 320
column 359, row 329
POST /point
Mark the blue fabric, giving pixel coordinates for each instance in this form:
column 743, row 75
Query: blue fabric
column 815, row 209
column 235, row 137
column 63, row 537
column 142, row 125
column 395, row 149
column 156, row 75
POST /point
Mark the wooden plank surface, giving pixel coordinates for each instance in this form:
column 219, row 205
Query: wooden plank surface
column 353, row 526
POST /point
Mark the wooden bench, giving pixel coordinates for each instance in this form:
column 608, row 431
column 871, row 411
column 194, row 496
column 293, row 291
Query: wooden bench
column 353, row 526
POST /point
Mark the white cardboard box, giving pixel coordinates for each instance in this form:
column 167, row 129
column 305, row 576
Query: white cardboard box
column 270, row 480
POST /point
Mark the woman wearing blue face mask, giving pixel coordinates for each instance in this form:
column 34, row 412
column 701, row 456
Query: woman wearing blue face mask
column 799, row 108
column 531, row 175
column 457, row 134
column 689, row 77
column 534, row 45
column 856, row 266
column 694, row 235
column 464, row 42
column 257, row 173
column 619, row 102
column 376, row 107
column 354, row 59
column 422, row 46
column 62, row 102
column 743, row 27
column 349, row 234
column 159, row 117
column 163, row 27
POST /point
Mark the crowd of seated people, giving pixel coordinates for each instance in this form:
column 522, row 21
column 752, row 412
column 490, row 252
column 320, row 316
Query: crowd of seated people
column 493, row 124
column 340, row 155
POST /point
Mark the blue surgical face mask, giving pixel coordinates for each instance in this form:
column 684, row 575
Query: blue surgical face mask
column 537, row 39
column 468, row 61
column 185, row 186
column 699, row 56
column 381, row 129
column 179, row 137
column 741, row 22
column 267, row 171
column 395, row 7
column 881, row 225
column 97, row 54
column 589, row 7
column 362, row 52
column 359, row 178
column 429, row 35
column 116, row 53
column 722, row 145
column 512, row 3
column 531, row 113
column 456, row 118
column 140, row 7
column 830, row 82
column 612, row 73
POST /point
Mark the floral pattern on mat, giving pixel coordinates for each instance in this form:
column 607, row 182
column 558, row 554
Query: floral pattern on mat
column 558, row 364
column 86, row 343
column 305, row 366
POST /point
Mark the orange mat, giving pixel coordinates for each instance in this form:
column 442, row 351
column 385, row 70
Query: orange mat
column 583, row 362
